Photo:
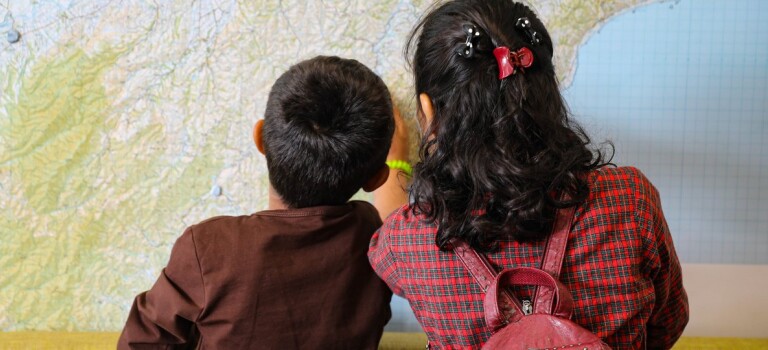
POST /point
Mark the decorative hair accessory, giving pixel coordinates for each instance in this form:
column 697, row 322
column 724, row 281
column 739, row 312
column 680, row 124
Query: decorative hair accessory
column 510, row 61
column 468, row 50
column 524, row 25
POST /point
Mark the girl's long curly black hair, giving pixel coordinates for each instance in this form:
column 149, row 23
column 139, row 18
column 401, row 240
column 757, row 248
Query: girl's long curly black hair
column 497, row 152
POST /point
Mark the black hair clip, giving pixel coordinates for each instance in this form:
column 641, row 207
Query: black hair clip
column 524, row 25
column 468, row 50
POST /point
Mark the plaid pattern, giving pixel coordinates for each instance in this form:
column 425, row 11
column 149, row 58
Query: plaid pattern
column 620, row 266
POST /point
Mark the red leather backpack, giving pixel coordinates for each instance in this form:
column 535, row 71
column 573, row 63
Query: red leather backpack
column 543, row 323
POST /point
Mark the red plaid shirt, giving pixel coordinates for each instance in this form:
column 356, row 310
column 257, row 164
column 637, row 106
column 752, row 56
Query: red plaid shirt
column 620, row 266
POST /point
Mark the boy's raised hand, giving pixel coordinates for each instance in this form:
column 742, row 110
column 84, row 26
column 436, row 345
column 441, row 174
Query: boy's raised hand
column 399, row 150
column 392, row 194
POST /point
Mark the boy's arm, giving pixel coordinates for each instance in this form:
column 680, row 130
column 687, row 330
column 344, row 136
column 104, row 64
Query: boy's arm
column 166, row 313
column 393, row 194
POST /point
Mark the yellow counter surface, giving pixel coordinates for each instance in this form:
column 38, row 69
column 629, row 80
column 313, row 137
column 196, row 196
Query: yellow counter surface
column 390, row 341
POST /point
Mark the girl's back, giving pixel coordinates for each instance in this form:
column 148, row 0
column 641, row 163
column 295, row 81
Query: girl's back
column 498, row 151
column 620, row 267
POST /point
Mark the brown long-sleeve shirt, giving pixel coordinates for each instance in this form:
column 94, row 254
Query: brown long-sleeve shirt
column 277, row 279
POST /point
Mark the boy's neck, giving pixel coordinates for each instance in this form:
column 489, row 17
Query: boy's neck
column 275, row 202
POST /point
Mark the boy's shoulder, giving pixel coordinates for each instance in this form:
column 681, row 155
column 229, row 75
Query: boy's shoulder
column 366, row 210
column 222, row 225
column 216, row 220
column 217, row 226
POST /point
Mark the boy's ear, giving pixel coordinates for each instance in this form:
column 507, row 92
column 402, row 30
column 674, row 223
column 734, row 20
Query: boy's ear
column 377, row 180
column 258, row 138
column 427, row 110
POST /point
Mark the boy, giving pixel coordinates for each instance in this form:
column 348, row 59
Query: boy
column 295, row 275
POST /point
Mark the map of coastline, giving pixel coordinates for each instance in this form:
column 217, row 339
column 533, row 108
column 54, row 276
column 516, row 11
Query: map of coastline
column 121, row 123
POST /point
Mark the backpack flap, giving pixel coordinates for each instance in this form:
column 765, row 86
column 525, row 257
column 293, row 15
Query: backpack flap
column 548, row 330
column 526, row 276
column 484, row 274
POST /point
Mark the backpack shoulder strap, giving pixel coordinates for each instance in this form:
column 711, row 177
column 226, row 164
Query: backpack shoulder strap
column 553, row 257
column 484, row 274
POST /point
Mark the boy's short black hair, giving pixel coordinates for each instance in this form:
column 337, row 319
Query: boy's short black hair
column 327, row 130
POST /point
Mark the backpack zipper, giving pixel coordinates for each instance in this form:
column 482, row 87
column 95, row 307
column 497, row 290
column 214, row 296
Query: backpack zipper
column 527, row 307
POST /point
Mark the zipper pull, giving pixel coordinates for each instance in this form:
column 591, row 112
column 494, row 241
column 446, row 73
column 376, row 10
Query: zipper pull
column 527, row 307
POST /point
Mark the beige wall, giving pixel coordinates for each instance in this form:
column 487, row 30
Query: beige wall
column 727, row 300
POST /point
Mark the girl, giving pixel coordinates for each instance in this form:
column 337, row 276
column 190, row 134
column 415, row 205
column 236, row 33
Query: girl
column 497, row 152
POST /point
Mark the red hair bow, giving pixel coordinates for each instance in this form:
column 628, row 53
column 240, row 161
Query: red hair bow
column 510, row 61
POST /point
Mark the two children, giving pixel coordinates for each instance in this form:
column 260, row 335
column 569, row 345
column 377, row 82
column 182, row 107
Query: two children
column 295, row 275
column 498, row 149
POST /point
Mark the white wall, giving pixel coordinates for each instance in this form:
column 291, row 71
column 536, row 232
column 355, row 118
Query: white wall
column 727, row 300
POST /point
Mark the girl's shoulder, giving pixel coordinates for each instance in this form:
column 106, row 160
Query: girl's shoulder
column 620, row 190
column 404, row 215
column 408, row 222
column 623, row 173
column 611, row 180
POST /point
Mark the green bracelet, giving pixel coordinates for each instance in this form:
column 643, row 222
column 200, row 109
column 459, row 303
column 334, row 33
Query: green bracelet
column 401, row 165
